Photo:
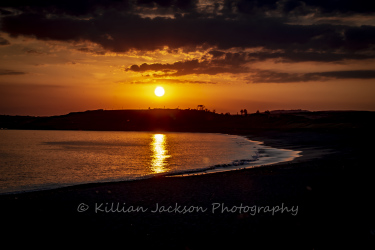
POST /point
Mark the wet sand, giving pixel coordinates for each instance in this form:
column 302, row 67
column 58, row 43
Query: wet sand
column 331, row 184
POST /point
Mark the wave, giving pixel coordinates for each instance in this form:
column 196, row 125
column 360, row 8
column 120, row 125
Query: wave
column 215, row 168
column 264, row 155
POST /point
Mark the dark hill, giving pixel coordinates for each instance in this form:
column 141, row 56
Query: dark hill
column 191, row 121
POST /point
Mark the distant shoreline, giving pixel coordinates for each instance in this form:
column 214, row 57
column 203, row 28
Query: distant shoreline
column 176, row 120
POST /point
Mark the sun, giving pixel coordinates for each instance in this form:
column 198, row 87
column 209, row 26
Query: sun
column 159, row 91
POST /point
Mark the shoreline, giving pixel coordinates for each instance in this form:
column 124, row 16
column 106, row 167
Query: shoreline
column 301, row 154
column 329, row 183
column 268, row 156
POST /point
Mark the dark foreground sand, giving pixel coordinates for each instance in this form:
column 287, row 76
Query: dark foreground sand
column 332, row 184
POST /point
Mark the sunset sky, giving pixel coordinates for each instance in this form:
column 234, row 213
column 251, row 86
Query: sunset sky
column 65, row 56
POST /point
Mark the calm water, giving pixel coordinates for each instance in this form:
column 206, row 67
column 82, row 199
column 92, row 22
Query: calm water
column 33, row 160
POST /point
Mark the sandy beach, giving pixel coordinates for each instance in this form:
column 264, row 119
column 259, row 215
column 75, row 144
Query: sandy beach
column 321, row 200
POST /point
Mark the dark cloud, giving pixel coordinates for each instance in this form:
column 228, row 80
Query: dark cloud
column 33, row 51
column 360, row 38
column 342, row 6
column 355, row 74
column 5, row 12
column 230, row 63
column 291, row 55
column 96, row 7
column 235, row 63
column 3, row 41
column 187, row 81
column 300, row 6
column 122, row 32
column 38, row 25
column 88, row 50
column 176, row 4
column 305, row 56
column 229, row 8
column 75, row 8
column 173, row 81
column 119, row 26
column 5, row 72
column 268, row 76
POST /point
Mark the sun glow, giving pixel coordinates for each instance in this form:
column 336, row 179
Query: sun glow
column 159, row 91
column 160, row 153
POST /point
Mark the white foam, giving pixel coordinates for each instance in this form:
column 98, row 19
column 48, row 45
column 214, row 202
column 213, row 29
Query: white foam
column 268, row 156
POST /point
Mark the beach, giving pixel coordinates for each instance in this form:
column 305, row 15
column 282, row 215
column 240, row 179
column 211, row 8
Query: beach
column 321, row 200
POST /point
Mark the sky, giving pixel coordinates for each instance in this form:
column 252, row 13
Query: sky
column 65, row 56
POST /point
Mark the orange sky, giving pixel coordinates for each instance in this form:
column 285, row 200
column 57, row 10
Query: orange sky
column 43, row 73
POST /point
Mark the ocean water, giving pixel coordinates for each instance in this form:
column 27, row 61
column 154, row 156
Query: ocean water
column 37, row 160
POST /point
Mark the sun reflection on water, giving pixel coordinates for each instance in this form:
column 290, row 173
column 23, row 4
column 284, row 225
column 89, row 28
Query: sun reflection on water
column 160, row 153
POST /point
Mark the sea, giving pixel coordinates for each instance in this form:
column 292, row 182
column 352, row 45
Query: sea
column 32, row 160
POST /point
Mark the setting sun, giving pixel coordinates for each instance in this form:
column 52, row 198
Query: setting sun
column 159, row 91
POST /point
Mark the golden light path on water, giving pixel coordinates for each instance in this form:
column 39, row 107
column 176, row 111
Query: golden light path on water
column 160, row 153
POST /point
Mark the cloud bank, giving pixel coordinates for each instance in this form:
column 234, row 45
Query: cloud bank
column 232, row 33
